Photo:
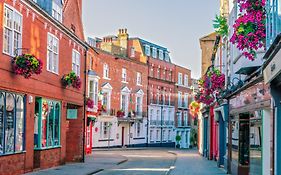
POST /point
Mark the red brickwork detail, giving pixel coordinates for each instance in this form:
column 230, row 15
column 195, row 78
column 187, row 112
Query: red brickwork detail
column 12, row 164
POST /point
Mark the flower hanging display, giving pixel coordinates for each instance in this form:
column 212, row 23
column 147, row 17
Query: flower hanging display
column 194, row 108
column 26, row 65
column 210, row 85
column 71, row 79
column 90, row 103
column 249, row 28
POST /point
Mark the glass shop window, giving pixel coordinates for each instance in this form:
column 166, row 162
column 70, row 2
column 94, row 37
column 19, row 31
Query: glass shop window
column 47, row 122
column 12, row 118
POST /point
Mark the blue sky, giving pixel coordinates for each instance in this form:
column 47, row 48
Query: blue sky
column 175, row 24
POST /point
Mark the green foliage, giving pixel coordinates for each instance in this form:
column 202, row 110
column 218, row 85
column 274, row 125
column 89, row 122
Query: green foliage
column 220, row 25
column 178, row 138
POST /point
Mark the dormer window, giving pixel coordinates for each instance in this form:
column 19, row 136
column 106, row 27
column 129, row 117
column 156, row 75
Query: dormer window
column 167, row 57
column 161, row 54
column 147, row 50
column 57, row 11
column 154, row 52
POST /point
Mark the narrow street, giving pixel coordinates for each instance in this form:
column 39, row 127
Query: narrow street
column 139, row 161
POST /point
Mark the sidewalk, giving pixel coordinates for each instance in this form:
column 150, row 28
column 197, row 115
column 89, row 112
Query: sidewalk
column 93, row 164
column 189, row 162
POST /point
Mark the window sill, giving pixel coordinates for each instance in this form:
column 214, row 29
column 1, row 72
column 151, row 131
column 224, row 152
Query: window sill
column 9, row 55
column 139, row 85
column 9, row 154
column 105, row 78
column 53, row 72
column 124, row 82
column 138, row 138
column 105, row 140
column 47, row 148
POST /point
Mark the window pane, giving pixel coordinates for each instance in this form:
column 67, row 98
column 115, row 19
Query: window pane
column 8, row 17
column 17, row 22
column 57, row 125
column 19, row 124
column 50, row 125
column 8, row 40
column 45, row 111
column 9, row 128
column 1, row 122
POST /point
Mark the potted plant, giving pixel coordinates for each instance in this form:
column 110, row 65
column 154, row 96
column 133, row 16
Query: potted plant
column 120, row 113
column 90, row 103
column 71, row 79
column 26, row 65
column 178, row 139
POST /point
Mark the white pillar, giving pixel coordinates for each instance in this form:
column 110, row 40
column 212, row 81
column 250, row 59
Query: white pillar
column 266, row 153
column 188, row 138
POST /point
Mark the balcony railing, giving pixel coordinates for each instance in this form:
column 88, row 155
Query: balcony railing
column 162, row 102
column 111, row 112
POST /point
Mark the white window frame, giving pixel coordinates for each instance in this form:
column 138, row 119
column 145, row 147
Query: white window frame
column 169, row 135
column 11, row 50
column 133, row 52
column 76, row 62
column 179, row 78
column 147, row 50
column 141, row 100
column 186, row 80
column 56, row 11
column 179, row 119
column 125, row 92
column 105, row 71
column 161, row 54
column 186, row 100
column 124, row 75
column 151, row 135
column 185, row 118
column 154, row 52
column 108, row 126
column 138, row 130
column 179, row 98
column 53, row 53
column 107, row 91
column 139, row 78
column 157, row 135
column 94, row 91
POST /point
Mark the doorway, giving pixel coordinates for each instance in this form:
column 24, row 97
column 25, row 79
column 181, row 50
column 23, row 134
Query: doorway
column 123, row 132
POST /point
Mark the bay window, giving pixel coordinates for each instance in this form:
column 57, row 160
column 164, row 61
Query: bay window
column 12, row 39
column 12, row 121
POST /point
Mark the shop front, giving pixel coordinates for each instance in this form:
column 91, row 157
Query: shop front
column 272, row 76
column 250, row 121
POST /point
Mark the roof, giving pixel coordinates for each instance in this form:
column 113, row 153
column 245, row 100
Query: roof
column 247, row 70
column 144, row 42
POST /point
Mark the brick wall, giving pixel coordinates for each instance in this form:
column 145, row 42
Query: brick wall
column 47, row 158
column 115, row 71
column 12, row 164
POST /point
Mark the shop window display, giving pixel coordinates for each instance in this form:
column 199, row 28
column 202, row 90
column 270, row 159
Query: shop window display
column 11, row 123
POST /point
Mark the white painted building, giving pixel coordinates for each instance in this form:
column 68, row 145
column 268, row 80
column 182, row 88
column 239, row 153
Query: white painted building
column 161, row 125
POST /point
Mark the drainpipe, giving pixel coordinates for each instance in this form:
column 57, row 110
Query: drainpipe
column 84, row 106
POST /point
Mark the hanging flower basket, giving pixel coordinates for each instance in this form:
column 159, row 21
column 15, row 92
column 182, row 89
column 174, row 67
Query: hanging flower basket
column 26, row 65
column 71, row 79
column 220, row 25
column 249, row 29
column 90, row 103
column 194, row 108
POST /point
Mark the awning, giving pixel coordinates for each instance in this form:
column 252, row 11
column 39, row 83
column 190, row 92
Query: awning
column 247, row 70
column 91, row 117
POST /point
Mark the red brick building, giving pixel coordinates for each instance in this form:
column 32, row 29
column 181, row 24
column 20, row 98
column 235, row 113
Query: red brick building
column 183, row 98
column 41, row 120
column 119, row 83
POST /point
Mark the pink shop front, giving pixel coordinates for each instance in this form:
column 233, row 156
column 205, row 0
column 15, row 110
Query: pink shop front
column 251, row 129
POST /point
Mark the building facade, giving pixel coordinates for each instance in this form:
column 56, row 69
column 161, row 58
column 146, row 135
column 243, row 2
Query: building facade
column 183, row 97
column 118, row 85
column 41, row 120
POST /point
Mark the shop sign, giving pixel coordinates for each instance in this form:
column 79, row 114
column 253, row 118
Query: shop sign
column 71, row 113
column 273, row 69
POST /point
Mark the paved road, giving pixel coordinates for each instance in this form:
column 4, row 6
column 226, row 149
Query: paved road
column 142, row 162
